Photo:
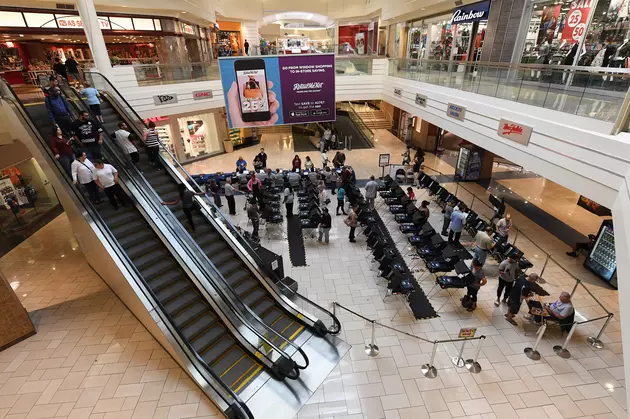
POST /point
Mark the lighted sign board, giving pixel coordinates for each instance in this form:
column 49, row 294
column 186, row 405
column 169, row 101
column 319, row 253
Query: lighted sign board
column 67, row 21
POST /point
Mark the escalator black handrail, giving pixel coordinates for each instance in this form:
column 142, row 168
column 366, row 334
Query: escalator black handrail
column 180, row 233
column 233, row 230
column 122, row 255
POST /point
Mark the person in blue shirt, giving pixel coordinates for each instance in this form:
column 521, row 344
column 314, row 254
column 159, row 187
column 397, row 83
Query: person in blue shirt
column 58, row 110
column 91, row 98
column 458, row 221
column 241, row 164
column 341, row 194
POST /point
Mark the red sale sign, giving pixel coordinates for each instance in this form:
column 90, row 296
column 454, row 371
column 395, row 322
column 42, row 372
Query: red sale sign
column 575, row 24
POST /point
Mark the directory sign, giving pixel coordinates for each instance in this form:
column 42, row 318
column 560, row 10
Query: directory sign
column 278, row 90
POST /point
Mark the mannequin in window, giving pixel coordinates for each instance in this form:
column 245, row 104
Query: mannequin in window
column 543, row 57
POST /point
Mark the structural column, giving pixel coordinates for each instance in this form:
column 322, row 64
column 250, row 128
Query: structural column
column 92, row 28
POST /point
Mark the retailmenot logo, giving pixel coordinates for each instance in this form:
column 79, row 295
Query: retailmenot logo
column 311, row 85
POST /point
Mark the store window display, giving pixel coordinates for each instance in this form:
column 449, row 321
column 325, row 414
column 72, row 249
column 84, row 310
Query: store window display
column 199, row 135
column 418, row 34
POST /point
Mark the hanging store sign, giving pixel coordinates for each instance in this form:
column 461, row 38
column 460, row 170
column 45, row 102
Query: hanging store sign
column 71, row 22
column 577, row 17
column 187, row 29
column 202, row 94
column 471, row 13
column 456, row 111
column 165, row 99
column 421, row 99
column 514, row 131
column 398, row 92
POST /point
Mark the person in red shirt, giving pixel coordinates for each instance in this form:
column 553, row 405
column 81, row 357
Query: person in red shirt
column 62, row 147
column 410, row 194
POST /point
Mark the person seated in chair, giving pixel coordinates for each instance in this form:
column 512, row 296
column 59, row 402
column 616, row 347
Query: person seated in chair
column 561, row 309
column 588, row 246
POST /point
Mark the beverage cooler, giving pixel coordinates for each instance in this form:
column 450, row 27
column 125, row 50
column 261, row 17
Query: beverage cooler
column 469, row 163
column 601, row 260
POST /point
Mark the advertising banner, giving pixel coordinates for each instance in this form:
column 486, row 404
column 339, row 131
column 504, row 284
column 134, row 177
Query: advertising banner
column 278, row 90
column 359, row 42
column 575, row 26
column 548, row 23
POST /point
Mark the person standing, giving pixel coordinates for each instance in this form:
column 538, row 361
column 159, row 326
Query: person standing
column 229, row 196
column 324, row 160
column 519, row 293
column 406, row 157
column 241, row 164
column 351, row 222
column 263, row 158
column 92, row 100
column 152, row 144
column 89, row 134
column 288, row 200
column 371, row 188
column 60, row 68
column 186, row 197
column 503, row 226
column 59, row 110
column 483, row 245
column 324, row 226
column 252, row 214
column 213, row 188
column 424, row 210
column 123, row 136
column 62, row 147
column 476, row 280
column 82, row 174
column 296, row 163
column 246, row 46
column 507, row 276
column 447, row 212
column 72, row 67
column 106, row 178
column 341, row 158
column 341, row 194
column 323, row 196
column 254, row 186
column 458, row 220
column 308, row 164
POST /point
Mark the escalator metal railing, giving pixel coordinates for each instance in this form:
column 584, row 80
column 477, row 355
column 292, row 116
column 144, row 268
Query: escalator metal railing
column 225, row 227
column 225, row 398
column 257, row 329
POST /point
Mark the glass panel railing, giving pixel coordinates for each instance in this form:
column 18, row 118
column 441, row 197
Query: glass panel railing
column 226, row 396
column 101, row 83
column 148, row 74
column 593, row 92
column 338, row 49
column 358, row 122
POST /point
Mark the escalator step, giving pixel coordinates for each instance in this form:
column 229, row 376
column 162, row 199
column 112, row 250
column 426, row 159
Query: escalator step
column 264, row 305
column 213, row 239
column 276, row 320
column 165, row 189
column 254, row 297
column 127, row 229
column 214, row 351
column 206, row 333
column 233, row 366
column 236, row 277
column 200, row 325
column 163, row 280
column 143, row 248
column 120, row 218
column 133, row 239
column 220, row 258
column 170, row 196
column 248, row 286
column 159, row 268
column 183, row 319
column 182, row 302
column 229, row 267
column 142, row 261
column 174, row 290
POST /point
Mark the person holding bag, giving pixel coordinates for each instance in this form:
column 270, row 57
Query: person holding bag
column 351, row 222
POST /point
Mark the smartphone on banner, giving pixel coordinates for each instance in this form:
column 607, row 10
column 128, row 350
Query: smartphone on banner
column 251, row 78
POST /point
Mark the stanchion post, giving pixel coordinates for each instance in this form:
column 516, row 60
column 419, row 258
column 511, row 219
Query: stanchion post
column 540, row 276
column 429, row 370
column 456, row 189
column 562, row 351
column 472, row 202
column 577, row 282
column 372, row 348
column 334, row 309
column 515, row 237
column 471, row 364
column 458, row 361
column 595, row 341
column 532, row 353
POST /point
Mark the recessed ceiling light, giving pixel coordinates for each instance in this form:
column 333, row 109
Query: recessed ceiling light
column 183, row 11
column 21, row 35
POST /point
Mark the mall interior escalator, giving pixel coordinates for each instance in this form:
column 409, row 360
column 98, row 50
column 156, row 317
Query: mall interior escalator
column 243, row 280
column 183, row 303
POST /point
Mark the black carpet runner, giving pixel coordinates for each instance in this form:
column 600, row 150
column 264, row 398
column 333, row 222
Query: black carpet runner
column 418, row 301
column 297, row 253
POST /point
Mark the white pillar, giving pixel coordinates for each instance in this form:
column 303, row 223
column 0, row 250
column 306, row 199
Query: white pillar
column 621, row 221
column 92, row 28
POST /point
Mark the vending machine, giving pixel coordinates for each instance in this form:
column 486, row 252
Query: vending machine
column 601, row 260
column 469, row 163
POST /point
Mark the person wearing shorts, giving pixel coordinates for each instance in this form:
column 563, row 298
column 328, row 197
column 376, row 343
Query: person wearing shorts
column 521, row 291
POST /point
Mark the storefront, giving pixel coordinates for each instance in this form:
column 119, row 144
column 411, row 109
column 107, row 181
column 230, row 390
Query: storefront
column 226, row 39
column 33, row 38
column 192, row 137
column 458, row 36
column 583, row 32
column 27, row 199
column 362, row 38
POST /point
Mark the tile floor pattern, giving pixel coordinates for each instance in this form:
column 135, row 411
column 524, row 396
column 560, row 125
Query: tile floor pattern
column 91, row 358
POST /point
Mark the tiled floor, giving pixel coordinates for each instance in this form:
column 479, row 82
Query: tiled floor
column 91, row 358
